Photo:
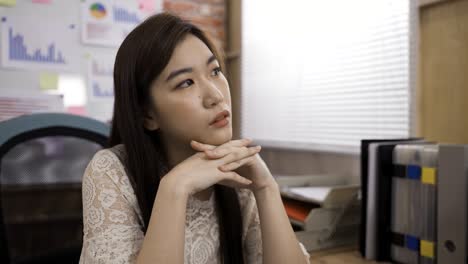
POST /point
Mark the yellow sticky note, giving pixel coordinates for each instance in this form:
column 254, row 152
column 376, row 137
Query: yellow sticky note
column 428, row 175
column 427, row 249
column 48, row 81
column 7, row 2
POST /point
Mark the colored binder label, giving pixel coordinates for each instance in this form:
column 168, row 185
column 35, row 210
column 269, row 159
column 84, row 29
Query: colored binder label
column 399, row 171
column 429, row 176
column 412, row 243
column 413, row 172
column 427, row 249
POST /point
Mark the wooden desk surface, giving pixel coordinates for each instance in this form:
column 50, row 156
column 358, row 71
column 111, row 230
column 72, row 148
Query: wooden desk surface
column 348, row 255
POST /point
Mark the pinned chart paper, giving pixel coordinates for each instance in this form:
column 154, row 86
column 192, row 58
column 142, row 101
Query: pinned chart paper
column 14, row 104
column 100, row 76
column 108, row 22
column 47, row 45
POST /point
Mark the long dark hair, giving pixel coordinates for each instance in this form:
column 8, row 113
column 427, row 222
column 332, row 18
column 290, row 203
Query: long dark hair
column 141, row 58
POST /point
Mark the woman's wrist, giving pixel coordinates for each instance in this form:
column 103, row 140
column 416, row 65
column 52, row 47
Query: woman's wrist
column 170, row 184
column 269, row 188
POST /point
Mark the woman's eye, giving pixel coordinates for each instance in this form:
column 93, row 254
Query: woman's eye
column 216, row 71
column 185, row 84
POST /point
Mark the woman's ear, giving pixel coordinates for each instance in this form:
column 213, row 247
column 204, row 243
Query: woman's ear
column 150, row 122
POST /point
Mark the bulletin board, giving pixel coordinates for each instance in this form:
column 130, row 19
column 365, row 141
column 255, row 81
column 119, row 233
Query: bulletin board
column 50, row 47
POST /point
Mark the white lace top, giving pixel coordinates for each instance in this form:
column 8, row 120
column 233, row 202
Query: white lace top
column 113, row 221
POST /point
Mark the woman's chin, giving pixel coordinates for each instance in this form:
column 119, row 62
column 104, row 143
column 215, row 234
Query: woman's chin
column 220, row 137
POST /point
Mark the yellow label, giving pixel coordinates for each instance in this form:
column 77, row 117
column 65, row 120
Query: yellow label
column 428, row 176
column 427, row 249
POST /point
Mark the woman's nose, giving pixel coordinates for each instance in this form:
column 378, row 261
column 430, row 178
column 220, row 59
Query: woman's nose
column 212, row 94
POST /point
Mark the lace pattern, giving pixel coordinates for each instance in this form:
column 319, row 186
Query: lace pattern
column 113, row 222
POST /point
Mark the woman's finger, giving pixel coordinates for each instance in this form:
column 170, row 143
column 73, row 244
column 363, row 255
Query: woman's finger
column 222, row 152
column 200, row 146
column 239, row 154
column 233, row 179
column 236, row 164
column 233, row 143
column 234, row 185
column 236, row 152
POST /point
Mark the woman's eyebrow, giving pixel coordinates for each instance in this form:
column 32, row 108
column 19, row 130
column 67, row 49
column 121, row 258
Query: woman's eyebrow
column 189, row 69
column 211, row 59
column 177, row 72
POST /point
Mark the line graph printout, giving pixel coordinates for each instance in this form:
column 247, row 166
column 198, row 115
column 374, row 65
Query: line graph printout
column 38, row 45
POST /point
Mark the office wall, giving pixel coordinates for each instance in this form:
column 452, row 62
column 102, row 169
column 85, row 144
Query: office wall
column 208, row 14
column 27, row 81
column 443, row 79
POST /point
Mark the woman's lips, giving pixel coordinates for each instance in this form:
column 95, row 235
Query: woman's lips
column 221, row 115
column 221, row 123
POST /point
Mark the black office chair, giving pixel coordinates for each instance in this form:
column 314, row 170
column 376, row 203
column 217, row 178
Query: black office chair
column 42, row 161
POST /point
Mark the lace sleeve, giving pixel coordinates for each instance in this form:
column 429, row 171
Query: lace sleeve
column 252, row 235
column 111, row 217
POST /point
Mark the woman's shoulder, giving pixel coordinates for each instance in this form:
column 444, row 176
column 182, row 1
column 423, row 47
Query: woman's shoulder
column 117, row 151
column 109, row 163
column 108, row 157
column 106, row 174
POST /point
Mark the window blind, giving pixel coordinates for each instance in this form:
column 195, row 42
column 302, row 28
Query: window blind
column 322, row 75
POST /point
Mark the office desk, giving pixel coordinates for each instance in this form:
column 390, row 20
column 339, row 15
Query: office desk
column 346, row 255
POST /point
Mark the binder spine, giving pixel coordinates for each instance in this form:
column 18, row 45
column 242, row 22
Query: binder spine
column 428, row 194
column 413, row 222
column 452, row 204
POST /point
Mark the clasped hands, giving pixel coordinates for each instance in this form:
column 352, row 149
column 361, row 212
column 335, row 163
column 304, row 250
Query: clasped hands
column 251, row 167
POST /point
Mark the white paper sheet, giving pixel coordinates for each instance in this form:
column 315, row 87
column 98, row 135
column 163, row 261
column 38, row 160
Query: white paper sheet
column 314, row 193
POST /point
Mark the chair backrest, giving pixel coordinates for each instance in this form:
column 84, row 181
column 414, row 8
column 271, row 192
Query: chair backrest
column 42, row 161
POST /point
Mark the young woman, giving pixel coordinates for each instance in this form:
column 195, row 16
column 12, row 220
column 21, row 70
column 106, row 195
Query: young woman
column 174, row 187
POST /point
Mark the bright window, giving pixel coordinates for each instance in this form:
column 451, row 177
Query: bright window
column 321, row 75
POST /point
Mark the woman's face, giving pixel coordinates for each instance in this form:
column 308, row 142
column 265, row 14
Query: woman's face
column 188, row 95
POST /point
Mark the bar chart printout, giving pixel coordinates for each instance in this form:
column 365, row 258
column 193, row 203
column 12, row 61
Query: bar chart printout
column 100, row 76
column 44, row 46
